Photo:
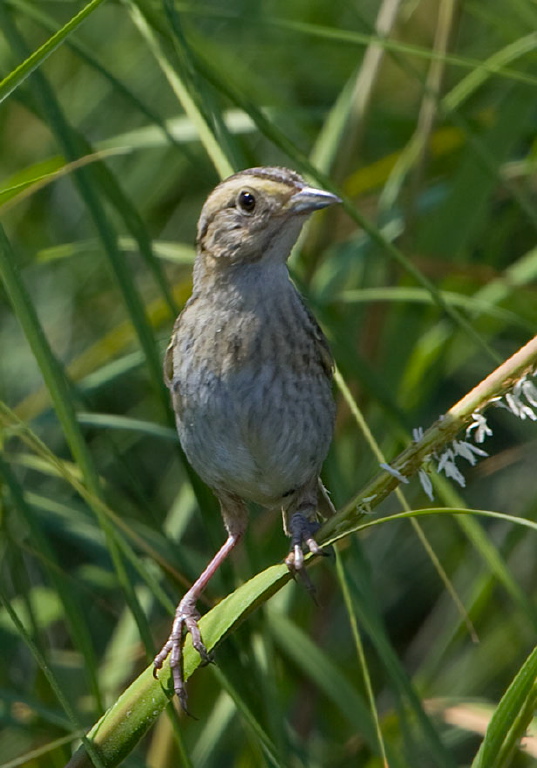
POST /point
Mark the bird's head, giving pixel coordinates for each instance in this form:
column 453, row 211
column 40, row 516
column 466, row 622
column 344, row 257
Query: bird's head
column 256, row 215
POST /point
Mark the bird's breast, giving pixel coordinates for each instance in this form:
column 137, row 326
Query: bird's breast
column 256, row 412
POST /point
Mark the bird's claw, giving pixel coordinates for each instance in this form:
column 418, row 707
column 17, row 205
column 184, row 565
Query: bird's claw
column 302, row 530
column 186, row 620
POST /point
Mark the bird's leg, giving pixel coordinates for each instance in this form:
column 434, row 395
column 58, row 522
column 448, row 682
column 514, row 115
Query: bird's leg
column 186, row 618
column 301, row 525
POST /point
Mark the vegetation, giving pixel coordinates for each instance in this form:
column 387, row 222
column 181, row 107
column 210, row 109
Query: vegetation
column 117, row 119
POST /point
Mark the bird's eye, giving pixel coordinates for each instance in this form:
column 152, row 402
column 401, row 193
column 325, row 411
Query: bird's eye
column 246, row 201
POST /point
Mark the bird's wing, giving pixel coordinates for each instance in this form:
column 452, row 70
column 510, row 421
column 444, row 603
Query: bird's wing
column 168, row 368
column 327, row 361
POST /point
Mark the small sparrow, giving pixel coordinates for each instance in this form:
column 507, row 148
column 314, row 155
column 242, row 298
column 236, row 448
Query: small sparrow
column 250, row 374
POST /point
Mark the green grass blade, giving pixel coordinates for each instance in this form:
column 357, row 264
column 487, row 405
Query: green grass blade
column 19, row 75
column 122, row 727
column 60, row 391
column 511, row 718
column 76, row 618
column 459, row 221
column 182, row 91
column 74, row 148
column 54, row 684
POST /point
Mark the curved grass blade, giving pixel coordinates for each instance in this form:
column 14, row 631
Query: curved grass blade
column 511, row 718
column 19, row 75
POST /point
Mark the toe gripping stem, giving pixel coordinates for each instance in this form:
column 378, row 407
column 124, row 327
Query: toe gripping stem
column 186, row 620
column 302, row 530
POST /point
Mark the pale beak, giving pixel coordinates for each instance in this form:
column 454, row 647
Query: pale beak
column 310, row 199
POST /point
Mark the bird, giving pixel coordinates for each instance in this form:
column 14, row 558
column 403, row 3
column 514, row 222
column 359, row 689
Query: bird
column 250, row 375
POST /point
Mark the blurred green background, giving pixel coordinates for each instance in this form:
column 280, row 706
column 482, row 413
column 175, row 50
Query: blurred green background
column 423, row 115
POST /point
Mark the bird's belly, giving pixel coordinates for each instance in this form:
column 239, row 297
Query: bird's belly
column 258, row 434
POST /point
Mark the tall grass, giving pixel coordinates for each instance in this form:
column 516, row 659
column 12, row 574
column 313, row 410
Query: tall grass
column 117, row 119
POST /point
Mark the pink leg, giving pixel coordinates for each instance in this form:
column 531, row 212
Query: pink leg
column 186, row 614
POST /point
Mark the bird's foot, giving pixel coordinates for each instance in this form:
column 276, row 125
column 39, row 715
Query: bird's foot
column 302, row 530
column 186, row 620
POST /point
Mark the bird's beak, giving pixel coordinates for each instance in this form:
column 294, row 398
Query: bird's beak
column 310, row 199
